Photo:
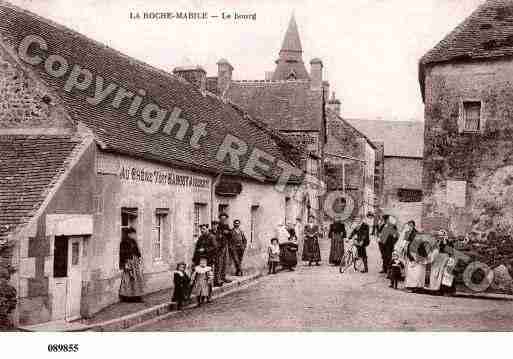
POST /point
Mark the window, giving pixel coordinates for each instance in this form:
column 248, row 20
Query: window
column 128, row 217
column 471, row 116
column 253, row 224
column 160, row 229
column 288, row 210
column 200, row 210
column 222, row 208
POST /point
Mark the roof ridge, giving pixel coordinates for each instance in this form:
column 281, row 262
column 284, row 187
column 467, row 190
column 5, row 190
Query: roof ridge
column 77, row 34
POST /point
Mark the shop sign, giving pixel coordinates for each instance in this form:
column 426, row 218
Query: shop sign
column 228, row 188
column 162, row 177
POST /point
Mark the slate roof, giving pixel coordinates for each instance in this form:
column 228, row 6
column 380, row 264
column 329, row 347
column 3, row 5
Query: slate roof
column 114, row 127
column 28, row 166
column 283, row 105
column 486, row 33
column 401, row 138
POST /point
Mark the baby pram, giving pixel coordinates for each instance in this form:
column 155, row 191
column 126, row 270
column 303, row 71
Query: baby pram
column 288, row 255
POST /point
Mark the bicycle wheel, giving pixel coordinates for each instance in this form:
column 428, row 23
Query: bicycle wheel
column 346, row 262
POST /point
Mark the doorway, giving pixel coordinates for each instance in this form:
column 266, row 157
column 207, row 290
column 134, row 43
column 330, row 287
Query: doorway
column 67, row 277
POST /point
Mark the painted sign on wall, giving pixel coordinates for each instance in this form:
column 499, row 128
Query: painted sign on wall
column 162, row 177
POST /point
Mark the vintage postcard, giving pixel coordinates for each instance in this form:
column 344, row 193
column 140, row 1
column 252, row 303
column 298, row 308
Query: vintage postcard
column 244, row 166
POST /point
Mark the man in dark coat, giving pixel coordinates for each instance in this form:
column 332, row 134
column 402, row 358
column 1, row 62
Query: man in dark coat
column 206, row 246
column 224, row 234
column 237, row 246
column 362, row 233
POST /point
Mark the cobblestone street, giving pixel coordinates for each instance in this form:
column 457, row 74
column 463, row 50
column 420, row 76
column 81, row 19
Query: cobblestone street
column 320, row 298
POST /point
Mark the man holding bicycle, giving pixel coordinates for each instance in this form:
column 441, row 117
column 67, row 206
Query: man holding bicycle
column 362, row 233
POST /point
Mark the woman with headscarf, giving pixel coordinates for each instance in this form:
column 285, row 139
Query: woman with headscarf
column 131, row 289
column 311, row 251
column 337, row 234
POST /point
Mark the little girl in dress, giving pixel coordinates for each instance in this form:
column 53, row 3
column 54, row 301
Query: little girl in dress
column 202, row 280
column 274, row 255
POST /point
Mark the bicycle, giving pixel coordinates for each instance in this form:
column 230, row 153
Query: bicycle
column 351, row 258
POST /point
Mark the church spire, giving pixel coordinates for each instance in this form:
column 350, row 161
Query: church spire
column 291, row 41
column 289, row 65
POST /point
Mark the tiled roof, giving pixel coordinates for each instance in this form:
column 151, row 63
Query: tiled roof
column 486, row 33
column 342, row 137
column 114, row 127
column 28, row 166
column 284, row 105
column 401, row 138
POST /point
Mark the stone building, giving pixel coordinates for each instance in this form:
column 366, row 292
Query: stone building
column 465, row 81
column 294, row 101
column 92, row 141
column 350, row 159
column 398, row 167
column 290, row 100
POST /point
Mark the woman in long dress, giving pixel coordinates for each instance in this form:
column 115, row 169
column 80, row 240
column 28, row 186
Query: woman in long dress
column 337, row 234
column 131, row 289
column 441, row 266
column 416, row 261
column 312, row 251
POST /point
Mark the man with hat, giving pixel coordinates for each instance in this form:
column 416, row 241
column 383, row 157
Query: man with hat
column 223, row 239
column 237, row 246
column 206, row 246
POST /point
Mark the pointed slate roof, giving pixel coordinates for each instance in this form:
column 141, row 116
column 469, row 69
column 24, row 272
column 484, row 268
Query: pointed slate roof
column 290, row 63
column 486, row 33
column 291, row 41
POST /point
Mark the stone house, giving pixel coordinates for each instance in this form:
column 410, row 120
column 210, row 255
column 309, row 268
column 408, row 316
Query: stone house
column 85, row 152
column 350, row 159
column 398, row 166
column 466, row 86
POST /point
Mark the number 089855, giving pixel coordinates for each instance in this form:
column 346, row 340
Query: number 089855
column 66, row 348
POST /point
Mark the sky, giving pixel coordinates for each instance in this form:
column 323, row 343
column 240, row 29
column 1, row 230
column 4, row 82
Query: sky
column 370, row 48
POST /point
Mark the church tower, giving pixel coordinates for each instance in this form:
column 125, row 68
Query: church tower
column 289, row 65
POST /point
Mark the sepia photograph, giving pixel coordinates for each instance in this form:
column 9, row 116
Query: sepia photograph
column 255, row 166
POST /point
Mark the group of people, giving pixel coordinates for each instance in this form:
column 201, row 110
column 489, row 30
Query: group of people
column 424, row 265
column 213, row 250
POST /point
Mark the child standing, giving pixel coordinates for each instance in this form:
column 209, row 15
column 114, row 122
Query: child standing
column 274, row 255
column 182, row 285
column 202, row 280
column 396, row 267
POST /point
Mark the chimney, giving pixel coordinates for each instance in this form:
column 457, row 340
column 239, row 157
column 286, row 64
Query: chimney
column 316, row 74
column 269, row 75
column 326, row 90
column 334, row 104
column 196, row 75
column 224, row 76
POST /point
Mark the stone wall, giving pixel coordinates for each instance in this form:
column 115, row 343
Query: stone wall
column 482, row 161
column 24, row 103
column 402, row 173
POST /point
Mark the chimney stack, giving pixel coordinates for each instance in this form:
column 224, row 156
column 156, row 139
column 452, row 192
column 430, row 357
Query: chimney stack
column 269, row 75
column 334, row 104
column 326, row 90
column 316, row 74
column 196, row 75
column 224, row 75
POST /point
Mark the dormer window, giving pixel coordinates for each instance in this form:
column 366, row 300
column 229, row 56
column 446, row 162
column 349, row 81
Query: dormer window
column 292, row 76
